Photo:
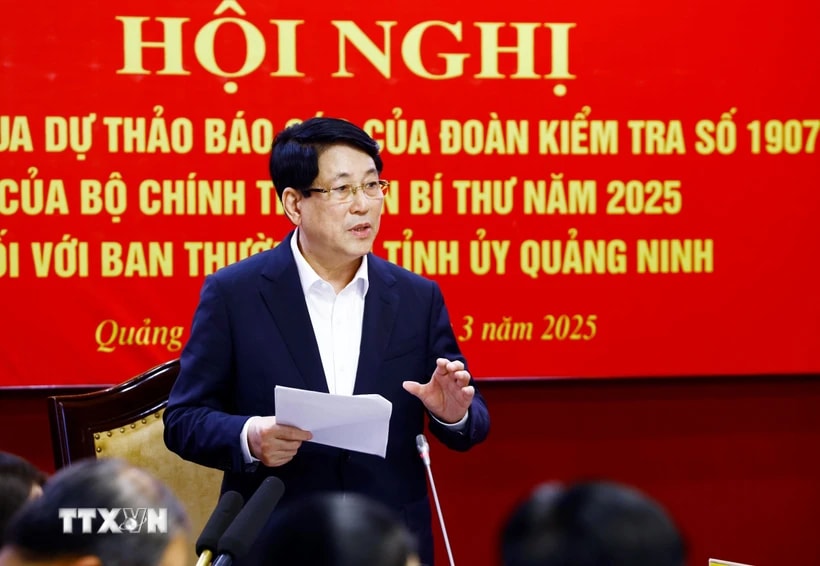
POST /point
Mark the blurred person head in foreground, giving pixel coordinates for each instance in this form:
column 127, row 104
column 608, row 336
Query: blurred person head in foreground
column 335, row 529
column 596, row 523
column 20, row 480
column 99, row 513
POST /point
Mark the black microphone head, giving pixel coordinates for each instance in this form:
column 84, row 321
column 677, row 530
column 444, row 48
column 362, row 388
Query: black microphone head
column 241, row 534
column 226, row 510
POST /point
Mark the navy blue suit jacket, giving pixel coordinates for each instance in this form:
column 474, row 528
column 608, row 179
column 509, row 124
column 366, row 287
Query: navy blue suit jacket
column 252, row 331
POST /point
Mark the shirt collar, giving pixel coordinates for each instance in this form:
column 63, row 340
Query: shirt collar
column 308, row 276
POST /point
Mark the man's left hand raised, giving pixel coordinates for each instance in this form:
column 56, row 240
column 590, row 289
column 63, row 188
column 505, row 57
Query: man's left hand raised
column 448, row 394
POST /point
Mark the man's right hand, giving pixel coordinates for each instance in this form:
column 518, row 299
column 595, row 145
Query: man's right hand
column 274, row 444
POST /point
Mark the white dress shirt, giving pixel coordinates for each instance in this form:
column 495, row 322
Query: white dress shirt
column 336, row 319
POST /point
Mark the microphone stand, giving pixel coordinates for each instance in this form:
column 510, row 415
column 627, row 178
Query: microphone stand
column 205, row 558
column 424, row 451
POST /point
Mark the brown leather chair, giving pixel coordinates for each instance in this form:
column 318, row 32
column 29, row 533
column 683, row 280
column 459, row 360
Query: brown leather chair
column 125, row 421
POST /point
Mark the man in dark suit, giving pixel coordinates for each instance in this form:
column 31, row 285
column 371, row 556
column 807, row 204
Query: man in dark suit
column 321, row 312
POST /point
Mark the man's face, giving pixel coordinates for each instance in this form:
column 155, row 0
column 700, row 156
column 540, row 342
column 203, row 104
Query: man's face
column 335, row 234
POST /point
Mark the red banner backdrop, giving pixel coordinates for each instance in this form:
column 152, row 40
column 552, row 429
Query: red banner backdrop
column 601, row 189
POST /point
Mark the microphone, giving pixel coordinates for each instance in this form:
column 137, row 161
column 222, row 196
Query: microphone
column 242, row 532
column 424, row 451
column 223, row 514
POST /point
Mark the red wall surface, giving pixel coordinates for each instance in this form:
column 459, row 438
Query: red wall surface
column 735, row 461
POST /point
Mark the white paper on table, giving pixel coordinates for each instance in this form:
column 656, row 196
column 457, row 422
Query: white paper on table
column 354, row 422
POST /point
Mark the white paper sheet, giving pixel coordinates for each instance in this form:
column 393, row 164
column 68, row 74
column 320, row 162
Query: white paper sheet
column 354, row 422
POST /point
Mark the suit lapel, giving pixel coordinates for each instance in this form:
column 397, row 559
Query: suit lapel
column 282, row 294
column 381, row 307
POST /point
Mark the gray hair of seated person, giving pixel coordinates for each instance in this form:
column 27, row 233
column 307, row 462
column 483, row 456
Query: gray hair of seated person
column 36, row 532
column 334, row 529
column 594, row 523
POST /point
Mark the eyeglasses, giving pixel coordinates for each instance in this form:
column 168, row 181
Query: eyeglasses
column 344, row 193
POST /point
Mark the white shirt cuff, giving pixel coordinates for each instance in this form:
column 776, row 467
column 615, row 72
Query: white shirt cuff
column 459, row 426
column 243, row 443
